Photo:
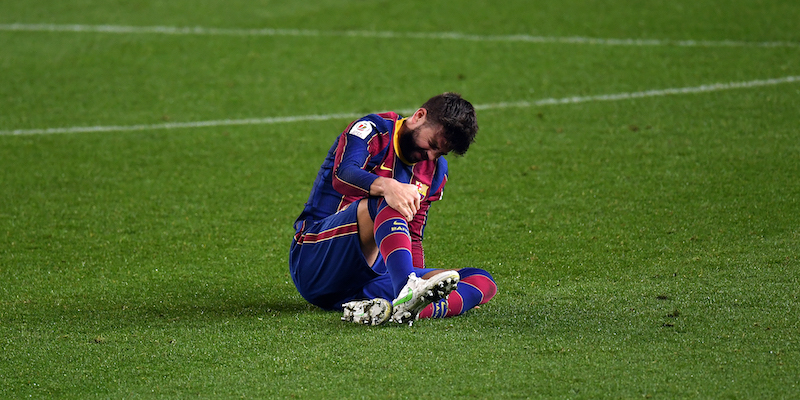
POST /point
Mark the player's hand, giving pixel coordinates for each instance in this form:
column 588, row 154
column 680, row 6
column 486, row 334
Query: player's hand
column 402, row 197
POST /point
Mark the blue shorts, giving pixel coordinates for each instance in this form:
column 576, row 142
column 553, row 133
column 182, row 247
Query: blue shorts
column 328, row 267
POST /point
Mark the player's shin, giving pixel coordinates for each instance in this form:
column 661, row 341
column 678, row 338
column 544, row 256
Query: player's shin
column 394, row 243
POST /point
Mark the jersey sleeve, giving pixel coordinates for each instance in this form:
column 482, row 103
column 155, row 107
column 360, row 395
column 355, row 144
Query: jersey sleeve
column 352, row 154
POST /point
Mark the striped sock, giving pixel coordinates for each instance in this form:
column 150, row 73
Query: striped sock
column 476, row 287
column 394, row 243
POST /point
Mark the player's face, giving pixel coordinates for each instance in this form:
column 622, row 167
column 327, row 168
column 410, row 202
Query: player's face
column 422, row 140
column 425, row 142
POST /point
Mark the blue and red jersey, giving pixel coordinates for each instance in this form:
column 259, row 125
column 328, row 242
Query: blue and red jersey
column 367, row 149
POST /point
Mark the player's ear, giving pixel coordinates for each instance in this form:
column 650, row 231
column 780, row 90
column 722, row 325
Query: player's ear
column 418, row 118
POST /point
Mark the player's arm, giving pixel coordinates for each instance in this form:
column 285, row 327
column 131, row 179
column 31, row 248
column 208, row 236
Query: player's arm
column 351, row 179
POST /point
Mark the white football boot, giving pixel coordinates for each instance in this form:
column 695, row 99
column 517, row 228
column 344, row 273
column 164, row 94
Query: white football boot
column 418, row 293
column 367, row 312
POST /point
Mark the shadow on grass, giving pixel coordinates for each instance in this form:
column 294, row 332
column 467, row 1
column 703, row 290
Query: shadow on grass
column 244, row 308
column 149, row 310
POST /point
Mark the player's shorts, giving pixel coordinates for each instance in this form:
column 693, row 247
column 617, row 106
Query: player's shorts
column 328, row 267
column 326, row 262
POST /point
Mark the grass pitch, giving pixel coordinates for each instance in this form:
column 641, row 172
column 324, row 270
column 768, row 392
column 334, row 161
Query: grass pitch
column 643, row 247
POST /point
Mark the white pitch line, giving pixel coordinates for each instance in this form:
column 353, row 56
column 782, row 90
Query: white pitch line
column 177, row 125
column 172, row 30
column 716, row 87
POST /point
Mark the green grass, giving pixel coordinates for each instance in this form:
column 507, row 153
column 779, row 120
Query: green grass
column 643, row 248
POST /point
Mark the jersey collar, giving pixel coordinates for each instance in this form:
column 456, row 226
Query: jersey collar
column 397, row 125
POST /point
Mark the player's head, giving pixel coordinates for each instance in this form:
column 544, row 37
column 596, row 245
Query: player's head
column 457, row 118
column 443, row 124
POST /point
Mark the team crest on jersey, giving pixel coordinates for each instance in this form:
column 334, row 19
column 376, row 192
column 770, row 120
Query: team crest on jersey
column 362, row 129
column 422, row 188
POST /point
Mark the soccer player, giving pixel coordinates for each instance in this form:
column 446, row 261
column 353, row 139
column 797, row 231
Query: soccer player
column 358, row 241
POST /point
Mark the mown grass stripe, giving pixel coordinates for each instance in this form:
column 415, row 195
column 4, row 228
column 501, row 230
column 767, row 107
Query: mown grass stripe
column 715, row 87
column 173, row 30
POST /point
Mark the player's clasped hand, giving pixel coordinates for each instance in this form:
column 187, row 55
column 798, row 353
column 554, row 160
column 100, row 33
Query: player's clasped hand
column 402, row 197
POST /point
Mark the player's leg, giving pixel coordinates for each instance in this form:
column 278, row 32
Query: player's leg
column 392, row 240
column 476, row 287
column 366, row 233
column 384, row 231
column 326, row 262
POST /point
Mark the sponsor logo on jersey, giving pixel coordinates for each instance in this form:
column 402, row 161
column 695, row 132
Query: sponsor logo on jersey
column 362, row 129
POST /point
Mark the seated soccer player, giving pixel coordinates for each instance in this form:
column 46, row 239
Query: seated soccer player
column 358, row 242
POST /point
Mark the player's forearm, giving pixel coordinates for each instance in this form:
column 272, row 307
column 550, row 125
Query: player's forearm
column 353, row 181
column 378, row 187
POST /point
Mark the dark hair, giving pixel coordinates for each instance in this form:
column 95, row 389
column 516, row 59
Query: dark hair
column 456, row 116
